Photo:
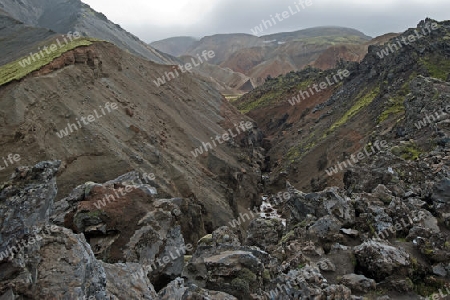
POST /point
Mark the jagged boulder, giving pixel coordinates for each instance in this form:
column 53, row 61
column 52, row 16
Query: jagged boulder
column 358, row 283
column 224, row 265
column 305, row 283
column 59, row 263
column 321, row 204
column 441, row 196
column 26, row 200
column 176, row 290
column 125, row 223
column 265, row 233
column 378, row 260
column 325, row 227
column 133, row 283
column 40, row 260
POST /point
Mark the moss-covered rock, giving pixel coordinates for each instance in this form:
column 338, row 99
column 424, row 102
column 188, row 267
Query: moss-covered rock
column 206, row 240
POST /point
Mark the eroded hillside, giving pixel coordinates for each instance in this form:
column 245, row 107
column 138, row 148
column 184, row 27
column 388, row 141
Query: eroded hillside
column 154, row 129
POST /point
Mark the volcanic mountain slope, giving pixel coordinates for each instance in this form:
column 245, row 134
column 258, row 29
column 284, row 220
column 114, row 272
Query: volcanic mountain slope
column 74, row 15
column 224, row 80
column 271, row 55
column 324, row 128
column 224, row 45
column 175, row 46
column 19, row 40
column 154, row 130
column 348, row 52
column 385, row 233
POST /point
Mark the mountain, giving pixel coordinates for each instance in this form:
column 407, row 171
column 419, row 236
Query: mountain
column 348, row 52
column 18, row 39
column 225, row 80
column 270, row 55
column 323, row 32
column 175, row 46
column 361, row 157
column 74, row 15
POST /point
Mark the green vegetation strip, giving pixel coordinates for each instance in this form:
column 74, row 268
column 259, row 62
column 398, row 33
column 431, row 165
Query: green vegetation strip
column 360, row 104
column 275, row 95
column 437, row 67
column 14, row 70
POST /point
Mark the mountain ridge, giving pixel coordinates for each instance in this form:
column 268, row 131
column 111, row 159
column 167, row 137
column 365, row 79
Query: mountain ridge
column 74, row 15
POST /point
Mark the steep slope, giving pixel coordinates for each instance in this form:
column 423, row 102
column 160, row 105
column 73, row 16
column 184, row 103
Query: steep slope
column 74, row 15
column 19, row 40
column 154, row 130
column 323, row 128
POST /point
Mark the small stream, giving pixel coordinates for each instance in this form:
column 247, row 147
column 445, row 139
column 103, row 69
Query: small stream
column 267, row 211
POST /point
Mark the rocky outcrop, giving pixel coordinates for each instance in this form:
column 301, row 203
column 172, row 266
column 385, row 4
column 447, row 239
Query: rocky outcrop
column 358, row 283
column 224, row 265
column 41, row 260
column 264, row 233
column 133, row 283
column 149, row 231
column 176, row 290
column 381, row 260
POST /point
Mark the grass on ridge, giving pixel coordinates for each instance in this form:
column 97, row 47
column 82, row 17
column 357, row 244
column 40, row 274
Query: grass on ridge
column 360, row 104
column 14, row 71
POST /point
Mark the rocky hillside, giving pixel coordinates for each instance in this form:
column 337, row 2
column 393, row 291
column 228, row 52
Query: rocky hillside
column 74, row 15
column 312, row 129
column 153, row 129
column 367, row 166
column 333, row 184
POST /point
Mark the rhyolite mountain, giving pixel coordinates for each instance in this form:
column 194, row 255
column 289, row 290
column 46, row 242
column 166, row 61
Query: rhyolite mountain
column 269, row 55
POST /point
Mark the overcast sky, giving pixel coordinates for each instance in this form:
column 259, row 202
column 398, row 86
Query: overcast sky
column 153, row 20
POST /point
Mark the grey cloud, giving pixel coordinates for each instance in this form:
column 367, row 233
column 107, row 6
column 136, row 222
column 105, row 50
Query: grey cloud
column 233, row 16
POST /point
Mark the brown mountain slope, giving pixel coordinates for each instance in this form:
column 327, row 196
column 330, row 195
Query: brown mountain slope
column 224, row 45
column 348, row 52
column 223, row 79
column 153, row 130
column 276, row 54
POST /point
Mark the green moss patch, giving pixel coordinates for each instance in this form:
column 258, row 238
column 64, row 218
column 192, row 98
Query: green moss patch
column 409, row 151
column 362, row 102
column 207, row 240
column 15, row 71
column 436, row 66
column 277, row 90
column 287, row 237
